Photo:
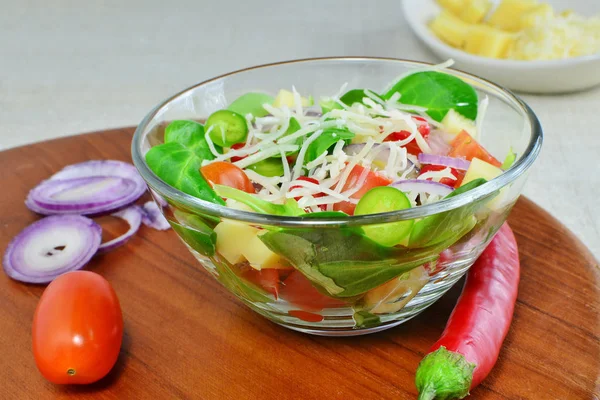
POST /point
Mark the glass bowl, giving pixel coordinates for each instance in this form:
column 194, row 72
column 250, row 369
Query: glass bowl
column 322, row 276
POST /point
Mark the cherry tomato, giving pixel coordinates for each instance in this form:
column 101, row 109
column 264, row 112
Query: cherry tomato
column 77, row 329
column 463, row 145
column 411, row 147
column 459, row 175
column 237, row 146
column 267, row 278
column 298, row 290
column 311, row 180
column 373, row 180
column 224, row 173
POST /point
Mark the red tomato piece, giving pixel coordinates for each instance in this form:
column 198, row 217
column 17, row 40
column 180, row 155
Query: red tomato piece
column 224, row 173
column 463, row 145
column 411, row 147
column 77, row 329
column 423, row 126
column 267, row 278
column 298, row 290
column 312, row 180
column 373, row 180
column 446, row 181
column 237, row 146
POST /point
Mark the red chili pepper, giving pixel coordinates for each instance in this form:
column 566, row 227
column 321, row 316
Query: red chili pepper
column 459, row 175
column 412, row 147
column 237, row 146
column 471, row 342
column 311, row 180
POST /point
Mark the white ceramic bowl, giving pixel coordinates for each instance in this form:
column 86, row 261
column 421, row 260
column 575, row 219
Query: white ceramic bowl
column 553, row 76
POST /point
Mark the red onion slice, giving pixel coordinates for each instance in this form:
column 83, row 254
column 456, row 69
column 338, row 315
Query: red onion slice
column 50, row 247
column 133, row 216
column 445, row 161
column 88, row 188
column 153, row 218
column 439, row 142
column 423, row 186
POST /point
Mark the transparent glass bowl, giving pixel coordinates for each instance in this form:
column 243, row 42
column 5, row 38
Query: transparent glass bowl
column 322, row 276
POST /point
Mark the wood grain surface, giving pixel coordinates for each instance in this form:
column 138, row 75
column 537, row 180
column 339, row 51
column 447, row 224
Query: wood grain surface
column 187, row 337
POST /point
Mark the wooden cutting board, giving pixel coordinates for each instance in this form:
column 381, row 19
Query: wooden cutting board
column 187, row 337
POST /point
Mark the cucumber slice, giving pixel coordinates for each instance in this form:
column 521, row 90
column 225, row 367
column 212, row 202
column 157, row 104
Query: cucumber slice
column 384, row 199
column 228, row 128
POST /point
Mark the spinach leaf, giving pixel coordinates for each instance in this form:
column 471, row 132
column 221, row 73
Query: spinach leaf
column 239, row 286
column 195, row 232
column 289, row 208
column 251, row 103
column 364, row 319
column 439, row 227
column 179, row 166
column 328, row 138
column 191, row 135
column 438, row 92
column 356, row 96
column 293, row 127
column 344, row 263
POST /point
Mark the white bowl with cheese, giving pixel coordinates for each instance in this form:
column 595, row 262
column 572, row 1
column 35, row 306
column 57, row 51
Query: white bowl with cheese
column 544, row 76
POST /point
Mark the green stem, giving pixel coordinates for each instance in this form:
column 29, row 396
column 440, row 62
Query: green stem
column 427, row 393
column 444, row 375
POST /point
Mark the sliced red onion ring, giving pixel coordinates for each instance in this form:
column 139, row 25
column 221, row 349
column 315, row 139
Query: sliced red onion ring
column 88, row 188
column 439, row 142
column 445, row 161
column 153, row 218
column 50, row 247
column 423, row 186
column 133, row 216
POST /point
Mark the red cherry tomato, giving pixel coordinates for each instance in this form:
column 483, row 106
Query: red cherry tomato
column 267, row 278
column 411, row 147
column 463, row 145
column 77, row 329
column 224, row 173
column 312, row 180
column 423, row 126
column 373, row 180
column 446, row 181
column 298, row 290
column 237, row 146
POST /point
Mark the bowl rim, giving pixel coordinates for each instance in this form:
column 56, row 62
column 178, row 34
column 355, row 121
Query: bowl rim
column 420, row 29
column 193, row 203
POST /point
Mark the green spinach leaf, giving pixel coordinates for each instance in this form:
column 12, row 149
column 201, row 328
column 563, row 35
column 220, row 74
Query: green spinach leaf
column 356, row 96
column 438, row 92
column 191, row 135
column 289, row 208
column 179, row 166
column 327, row 139
column 251, row 103
column 342, row 262
column 195, row 232
column 439, row 227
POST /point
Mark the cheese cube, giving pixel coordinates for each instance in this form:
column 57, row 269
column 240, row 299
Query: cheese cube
column 259, row 255
column 450, row 29
column 231, row 238
column 454, row 6
column 488, row 42
column 454, row 123
column 475, row 11
column 537, row 15
column 507, row 14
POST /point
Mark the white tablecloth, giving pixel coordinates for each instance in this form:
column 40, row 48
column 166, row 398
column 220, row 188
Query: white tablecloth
column 70, row 66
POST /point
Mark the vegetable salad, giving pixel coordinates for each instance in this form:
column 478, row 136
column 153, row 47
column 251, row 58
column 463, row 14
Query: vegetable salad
column 356, row 152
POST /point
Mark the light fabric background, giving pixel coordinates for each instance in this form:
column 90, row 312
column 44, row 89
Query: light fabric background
column 68, row 67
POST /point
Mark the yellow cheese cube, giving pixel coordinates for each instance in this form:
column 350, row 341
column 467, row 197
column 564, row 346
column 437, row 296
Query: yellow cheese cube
column 231, row 239
column 259, row 255
column 454, row 123
column 536, row 15
column 507, row 14
column 480, row 169
column 475, row 11
column 450, row 29
column 488, row 42
column 454, row 6
column 286, row 98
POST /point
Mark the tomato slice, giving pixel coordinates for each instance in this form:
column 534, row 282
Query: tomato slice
column 463, row 145
column 267, row 278
column 446, row 181
column 411, row 147
column 312, row 180
column 224, row 173
column 373, row 180
column 237, row 146
column 298, row 290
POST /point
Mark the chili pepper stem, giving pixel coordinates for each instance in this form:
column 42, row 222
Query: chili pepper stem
column 444, row 375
